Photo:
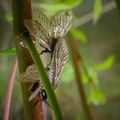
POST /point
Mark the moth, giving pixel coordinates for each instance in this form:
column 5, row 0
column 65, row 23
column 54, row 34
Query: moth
column 49, row 34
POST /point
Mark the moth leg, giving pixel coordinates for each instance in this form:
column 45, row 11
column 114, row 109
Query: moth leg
column 34, row 93
column 44, row 51
column 35, row 89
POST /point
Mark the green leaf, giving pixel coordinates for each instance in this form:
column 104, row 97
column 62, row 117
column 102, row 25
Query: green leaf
column 84, row 74
column 9, row 18
column 79, row 35
column 105, row 64
column 88, row 75
column 93, row 76
column 97, row 10
column 72, row 3
column 56, row 1
column 85, row 78
column 8, row 51
column 55, row 7
column 96, row 96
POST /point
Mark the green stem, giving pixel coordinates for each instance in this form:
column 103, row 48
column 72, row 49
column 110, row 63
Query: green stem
column 21, row 11
column 44, row 78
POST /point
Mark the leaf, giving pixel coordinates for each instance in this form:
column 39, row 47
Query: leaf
column 84, row 73
column 84, row 77
column 97, row 10
column 72, row 3
column 55, row 7
column 8, row 51
column 88, row 75
column 56, row 1
column 9, row 18
column 105, row 64
column 93, row 76
column 79, row 35
column 96, row 96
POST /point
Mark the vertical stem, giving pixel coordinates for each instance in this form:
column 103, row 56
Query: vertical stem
column 9, row 90
column 44, row 78
column 76, row 63
column 21, row 11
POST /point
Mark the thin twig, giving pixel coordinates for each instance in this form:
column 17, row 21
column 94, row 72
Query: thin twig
column 9, row 91
column 76, row 58
column 88, row 17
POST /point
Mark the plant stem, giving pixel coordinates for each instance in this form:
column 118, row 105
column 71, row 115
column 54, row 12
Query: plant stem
column 9, row 91
column 76, row 63
column 21, row 11
column 44, row 78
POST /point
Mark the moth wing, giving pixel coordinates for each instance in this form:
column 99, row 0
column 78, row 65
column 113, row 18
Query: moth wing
column 59, row 58
column 38, row 31
column 30, row 75
column 34, row 93
column 60, row 24
column 39, row 16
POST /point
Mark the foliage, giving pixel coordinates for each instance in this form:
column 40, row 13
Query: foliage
column 89, row 73
column 9, row 51
column 90, row 78
column 96, row 96
column 9, row 18
column 79, row 35
column 105, row 64
column 97, row 10
column 52, row 8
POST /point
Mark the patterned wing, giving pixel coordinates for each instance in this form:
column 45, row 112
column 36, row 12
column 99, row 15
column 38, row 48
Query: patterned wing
column 60, row 24
column 38, row 31
column 31, row 75
column 39, row 16
column 59, row 58
column 35, row 93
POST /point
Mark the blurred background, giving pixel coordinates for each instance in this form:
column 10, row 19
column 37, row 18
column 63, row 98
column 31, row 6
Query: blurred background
column 96, row 29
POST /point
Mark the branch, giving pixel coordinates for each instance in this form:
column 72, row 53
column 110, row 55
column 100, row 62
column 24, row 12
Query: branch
column 21, row 11
column 87, row 18
column 9, row 91
column 76, row 58
column 44, row 78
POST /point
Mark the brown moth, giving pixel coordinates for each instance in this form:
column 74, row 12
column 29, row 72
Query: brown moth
column 49, row 33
